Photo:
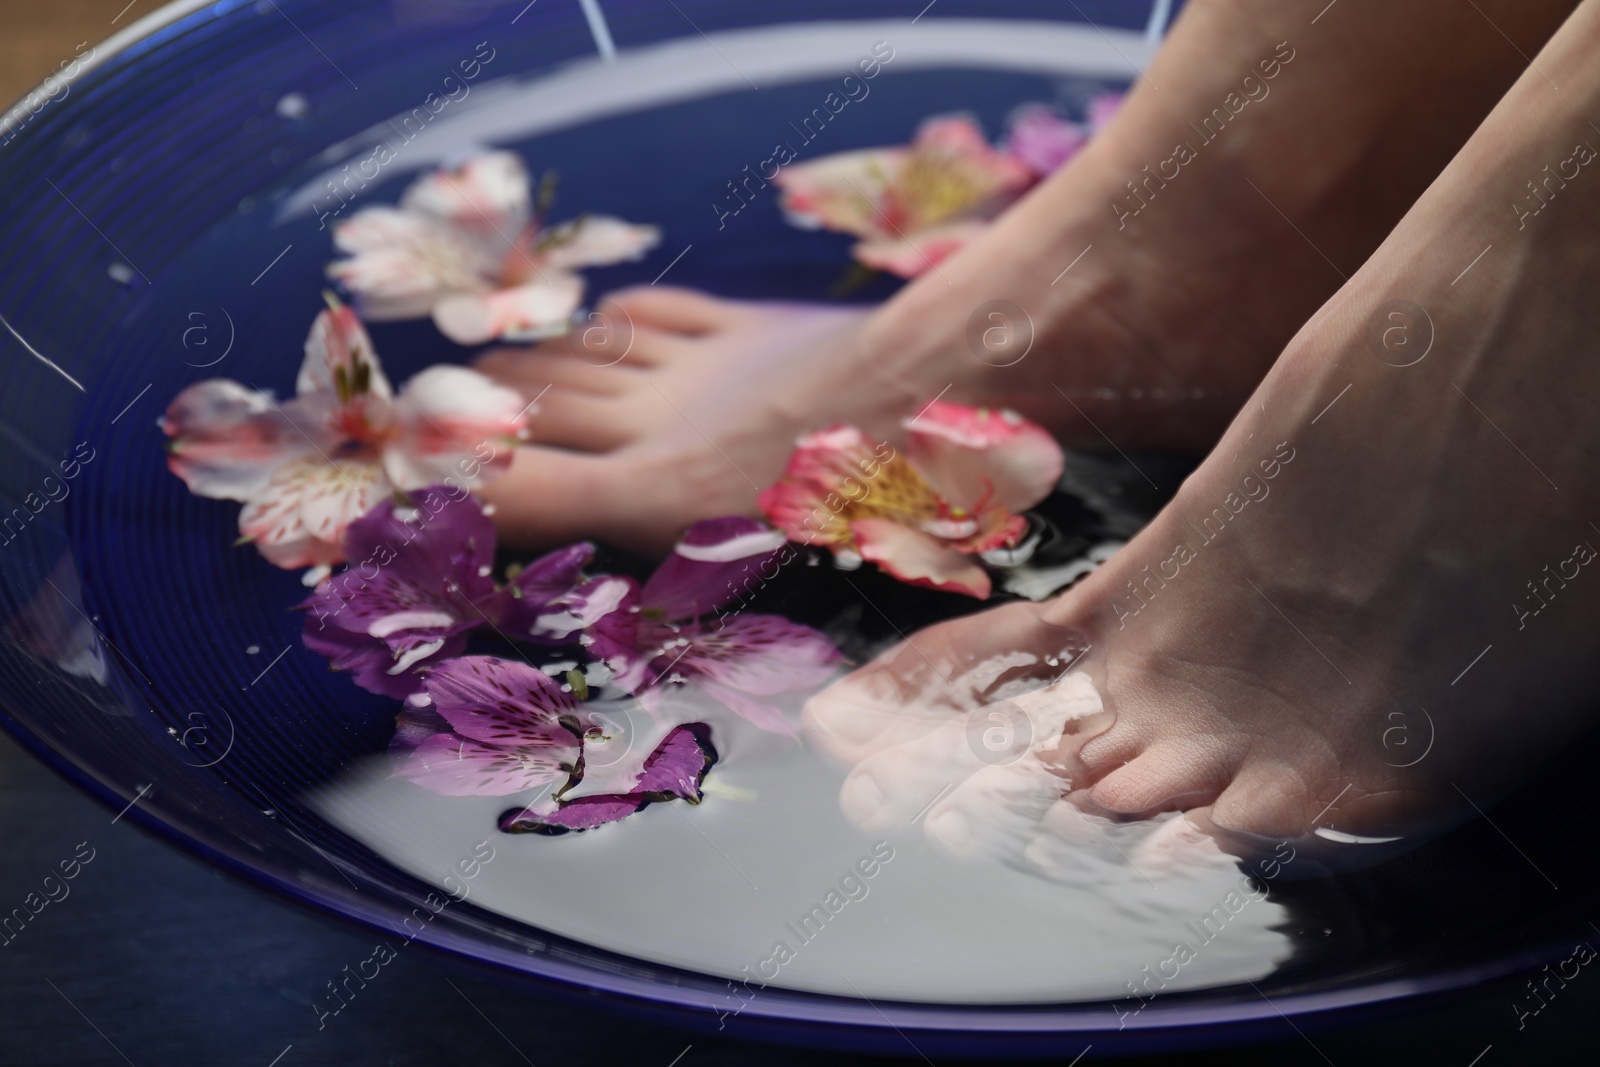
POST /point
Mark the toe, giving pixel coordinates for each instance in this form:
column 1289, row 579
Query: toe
column 571, row 419
column 679, row 311
column 531, row 371
column 1269, row 799
column 530, row 500
column 866, row 712
column 1161, row 778
column 995, row 813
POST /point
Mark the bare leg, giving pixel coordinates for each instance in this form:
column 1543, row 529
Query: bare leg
column 1388, row 534
column 1305, row 143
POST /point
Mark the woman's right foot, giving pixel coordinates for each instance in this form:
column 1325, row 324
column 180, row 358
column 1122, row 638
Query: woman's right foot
column 1370, row 606
column 1127, row 301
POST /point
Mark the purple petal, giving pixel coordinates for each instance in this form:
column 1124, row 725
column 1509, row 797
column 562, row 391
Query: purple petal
column 602, row 602
column 415, row 725
column 761, row 654
column 373, row 664
column 459, row 766
column 411, row 591
column 1102, row 109
column 438, row 542
column 758, row 712
column 585, row 813
column 679, row 764
column 531, row 593
column 504, row 703
column 1043, row 140
column 717, row 562
column 676, row 769
column 553, row 575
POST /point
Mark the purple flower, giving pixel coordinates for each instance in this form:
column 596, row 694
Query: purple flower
column 1043, row 140
column 676, row 629
column 1102, row 109
column 675, row 770
column 490, row 727
column 419, row 580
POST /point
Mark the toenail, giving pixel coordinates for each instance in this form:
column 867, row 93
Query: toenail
column 861, row 798
column 949, row 828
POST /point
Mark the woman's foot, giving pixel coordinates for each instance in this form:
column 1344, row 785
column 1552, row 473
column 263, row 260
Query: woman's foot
column 1371, row 609
column 674, row 406
column 1129, row 301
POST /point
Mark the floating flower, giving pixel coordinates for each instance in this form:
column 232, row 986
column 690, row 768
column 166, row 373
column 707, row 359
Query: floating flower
column 470, row 247
column 674, row 771
column 496, row 727
column 676, row 631
column 969, row 474
column 1044, row 141
column 309, row 467
column 490, row 727
column 913, row 206
column 419, row 581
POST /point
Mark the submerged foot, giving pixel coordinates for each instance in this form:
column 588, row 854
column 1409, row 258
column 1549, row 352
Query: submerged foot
column 1372, row 608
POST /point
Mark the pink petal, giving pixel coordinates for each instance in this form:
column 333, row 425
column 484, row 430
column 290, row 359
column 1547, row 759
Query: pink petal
column 983, row 455
column 338, row 349
column 839, row 462
column 528, row 312
column 921, row 251
column 488, row 193
column 841, row 192
column 453, row 426
column 405, row 262
column 226, row 440
column 298, row 518
column 958, row 139
column 459, row 766
column 919, row 558
column 600, row 240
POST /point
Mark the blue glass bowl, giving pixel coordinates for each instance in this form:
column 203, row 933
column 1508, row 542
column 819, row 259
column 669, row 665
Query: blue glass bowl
column 163, row 219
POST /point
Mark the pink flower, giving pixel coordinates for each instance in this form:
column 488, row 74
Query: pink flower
column 309, row 467
column 470, row 247
column 913, row 206
column 920, row 517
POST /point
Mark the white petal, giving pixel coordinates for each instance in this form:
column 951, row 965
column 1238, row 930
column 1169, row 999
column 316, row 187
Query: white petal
column 527, row 312
column 452, row 426
column 487, row 192
column 600, row 240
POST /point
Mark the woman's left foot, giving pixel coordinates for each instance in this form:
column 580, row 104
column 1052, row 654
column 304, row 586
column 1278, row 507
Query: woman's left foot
column 673, row 406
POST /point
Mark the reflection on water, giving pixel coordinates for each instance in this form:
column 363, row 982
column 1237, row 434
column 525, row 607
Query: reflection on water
column 766, row 881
